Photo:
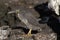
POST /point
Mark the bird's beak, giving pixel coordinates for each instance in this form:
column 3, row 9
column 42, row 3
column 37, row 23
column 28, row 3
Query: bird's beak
column 11, row 12
column 17, row 11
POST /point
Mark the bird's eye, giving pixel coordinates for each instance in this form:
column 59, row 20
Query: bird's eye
column 17, row 11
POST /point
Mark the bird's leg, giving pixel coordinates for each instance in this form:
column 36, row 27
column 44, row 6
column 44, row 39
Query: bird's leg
column 29, row 33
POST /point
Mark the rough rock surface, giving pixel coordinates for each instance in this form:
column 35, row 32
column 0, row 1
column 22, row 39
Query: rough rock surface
column 16, row 32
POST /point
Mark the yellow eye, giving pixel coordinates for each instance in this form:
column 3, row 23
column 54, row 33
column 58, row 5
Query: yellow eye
column 17, row 11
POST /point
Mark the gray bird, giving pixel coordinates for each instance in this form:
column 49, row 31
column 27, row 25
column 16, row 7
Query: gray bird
column 28, row 19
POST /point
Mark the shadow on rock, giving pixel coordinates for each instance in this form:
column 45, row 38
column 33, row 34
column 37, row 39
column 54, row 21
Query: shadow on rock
column 52, row 22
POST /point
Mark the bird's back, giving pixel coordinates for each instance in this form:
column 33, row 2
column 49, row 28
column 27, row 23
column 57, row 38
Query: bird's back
column 27, row 17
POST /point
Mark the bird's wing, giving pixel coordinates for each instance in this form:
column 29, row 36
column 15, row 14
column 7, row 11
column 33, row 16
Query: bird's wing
column 30, row 18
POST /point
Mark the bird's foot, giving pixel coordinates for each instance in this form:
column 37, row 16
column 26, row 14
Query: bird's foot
column 28, row 34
